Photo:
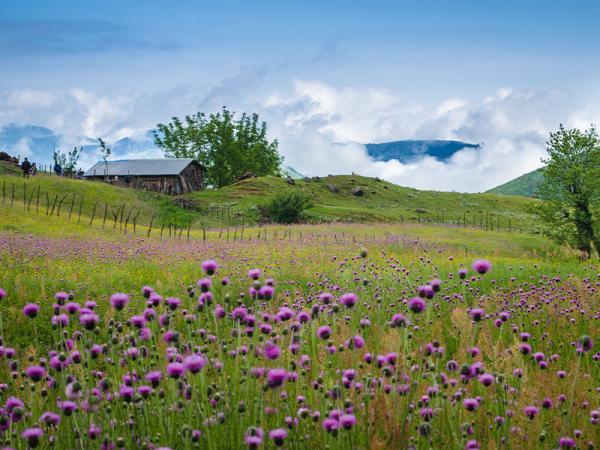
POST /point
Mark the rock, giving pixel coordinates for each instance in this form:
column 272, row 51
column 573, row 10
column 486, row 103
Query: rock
column 420, row 210
column 246, row 176
column 333, row 188
column 316, row 179
column 358, row 192
column 307, row 179
column 290, row 180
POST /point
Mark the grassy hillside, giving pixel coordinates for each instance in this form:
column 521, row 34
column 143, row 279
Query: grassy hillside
column 332, row 201
column 86, row 193
column 9, row 169
column 381, row 201
column 526, row 185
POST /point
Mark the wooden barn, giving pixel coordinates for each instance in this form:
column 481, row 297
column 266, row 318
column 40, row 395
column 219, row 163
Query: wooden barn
column 167, row 176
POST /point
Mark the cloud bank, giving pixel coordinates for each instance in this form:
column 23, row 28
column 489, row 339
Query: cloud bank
column 321, row 127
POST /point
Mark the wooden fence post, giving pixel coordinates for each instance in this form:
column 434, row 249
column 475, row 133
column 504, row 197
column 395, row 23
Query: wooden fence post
column 79, row 212
column 24, row 195
column 150, row 227
column 3, row 191
column 12, row 195
column 60, row 205
column 105, row 212
column 94, row 211
column 54, row 205
column 72, row 205
column 37, row 201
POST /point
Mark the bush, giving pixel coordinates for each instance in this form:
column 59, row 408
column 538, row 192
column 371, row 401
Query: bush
column 287, row 207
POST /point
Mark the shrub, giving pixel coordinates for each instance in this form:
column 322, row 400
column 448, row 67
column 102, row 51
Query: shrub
column 287, row 207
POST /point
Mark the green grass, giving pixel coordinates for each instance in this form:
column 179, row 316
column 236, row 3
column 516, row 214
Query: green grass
column 9, row 169
column 526, row 185
column 381, row 202
column 240, row 203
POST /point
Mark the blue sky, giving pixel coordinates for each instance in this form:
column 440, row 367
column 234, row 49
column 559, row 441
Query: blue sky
column 426, row 69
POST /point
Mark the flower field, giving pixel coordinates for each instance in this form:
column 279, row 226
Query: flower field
column 370, row 340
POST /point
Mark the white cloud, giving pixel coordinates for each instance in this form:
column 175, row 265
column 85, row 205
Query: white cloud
column 320, row 126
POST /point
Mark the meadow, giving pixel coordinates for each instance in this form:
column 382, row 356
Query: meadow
column 311, row 336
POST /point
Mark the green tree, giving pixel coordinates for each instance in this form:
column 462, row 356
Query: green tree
column 571, row 189
column 105, row 150
column 226, row 146
column 68, row 161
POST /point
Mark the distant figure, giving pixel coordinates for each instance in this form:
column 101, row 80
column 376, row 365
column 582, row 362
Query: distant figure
column 25, row 167
column 58, row 169
column 33, row 169
column 80, row 173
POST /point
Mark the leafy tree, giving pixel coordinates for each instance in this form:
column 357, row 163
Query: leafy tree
column 571, row 189
column 68, row 161
column 105, row 150
column 287, row 207
column 226, row 146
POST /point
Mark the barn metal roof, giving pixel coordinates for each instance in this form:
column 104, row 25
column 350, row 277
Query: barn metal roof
column 140, row 167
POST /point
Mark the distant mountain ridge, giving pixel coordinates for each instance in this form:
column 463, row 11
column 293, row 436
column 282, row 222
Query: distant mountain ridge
column 527, row 185
column 38, row 144
column 407, row 151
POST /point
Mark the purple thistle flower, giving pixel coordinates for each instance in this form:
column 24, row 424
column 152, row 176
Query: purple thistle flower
column 2, row 294
column 254, row 274
column 153, row 378
column 32, row 436
column 126, row 393
column 276, row 377
column 482, row 266
column 477, row 314
column 175, row 370
column 324, row 332
column 89, row 320
column 530, row 411
column 399, row 321
column 204, row 284
column 50, row 419
column 271, row 350
column 278, row 436
column 486, row 379
column 68, row 407
column 348, row 299
column 31, row 310
column 417, row 305
column 147, row 291
column 462, row 273
column 119, row 300
column 36, row 373
column 210, row 266
column 254, row 437
column 426, row 291
column 195, row 363
column 566, row 442
column 471, row 404
column 61, row 297
column 347, row 421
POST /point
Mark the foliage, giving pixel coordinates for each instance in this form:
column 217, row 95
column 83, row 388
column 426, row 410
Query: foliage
column 226, row 146
column 105, row 150
column 68, row 161
column 571, row 189
column 287, row 207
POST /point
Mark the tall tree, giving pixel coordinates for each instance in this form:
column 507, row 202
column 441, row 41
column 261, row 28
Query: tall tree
column 105, row 150
column 226, row 146
column 571, row 188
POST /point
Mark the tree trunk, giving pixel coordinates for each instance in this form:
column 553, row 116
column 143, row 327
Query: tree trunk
column 585, row 228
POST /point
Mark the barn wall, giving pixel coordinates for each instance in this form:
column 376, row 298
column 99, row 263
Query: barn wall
column 191, row 179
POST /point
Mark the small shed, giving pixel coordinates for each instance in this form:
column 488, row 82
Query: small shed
column 166, row 175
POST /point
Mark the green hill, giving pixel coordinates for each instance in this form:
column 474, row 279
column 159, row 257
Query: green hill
column 341, row 198
column 334, row 200
column 526, row 185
